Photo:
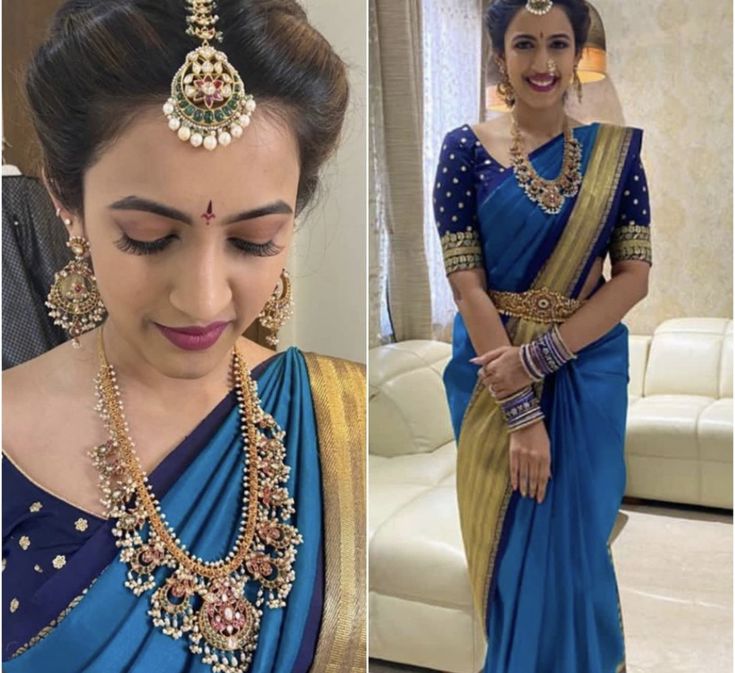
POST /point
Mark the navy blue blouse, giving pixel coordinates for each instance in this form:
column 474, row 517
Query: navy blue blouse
column 467, row 174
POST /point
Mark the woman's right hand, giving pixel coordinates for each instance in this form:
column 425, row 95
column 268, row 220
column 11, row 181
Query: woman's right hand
column 530, row 460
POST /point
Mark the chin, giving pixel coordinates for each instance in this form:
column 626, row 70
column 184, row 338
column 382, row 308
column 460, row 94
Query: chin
column 189, row 365
column 543, row 103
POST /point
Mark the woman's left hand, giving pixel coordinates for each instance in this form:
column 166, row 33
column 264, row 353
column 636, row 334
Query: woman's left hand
column 501, row 371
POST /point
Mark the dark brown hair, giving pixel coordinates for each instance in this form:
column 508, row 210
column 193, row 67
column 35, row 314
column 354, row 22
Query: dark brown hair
column 106, row 60
column 500, row 13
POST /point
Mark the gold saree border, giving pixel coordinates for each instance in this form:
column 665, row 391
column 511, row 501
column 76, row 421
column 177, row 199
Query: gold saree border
column 483, row 482
column 54, row 622
column 339, row 394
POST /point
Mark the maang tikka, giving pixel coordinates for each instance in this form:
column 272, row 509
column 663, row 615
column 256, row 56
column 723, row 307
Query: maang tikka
column 208, row 104
column 539, row 7
column 278, row 309
column 74, row 300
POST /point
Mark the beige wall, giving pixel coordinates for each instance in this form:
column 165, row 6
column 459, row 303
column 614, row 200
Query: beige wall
column 671, row 63
column 329, row 261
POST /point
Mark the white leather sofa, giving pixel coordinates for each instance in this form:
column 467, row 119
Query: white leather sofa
column 678, row 448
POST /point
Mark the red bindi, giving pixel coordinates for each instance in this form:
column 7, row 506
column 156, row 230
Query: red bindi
column 209, row 215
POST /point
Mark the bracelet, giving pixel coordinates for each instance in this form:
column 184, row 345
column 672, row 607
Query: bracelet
column 545, row 354
column 521, row 409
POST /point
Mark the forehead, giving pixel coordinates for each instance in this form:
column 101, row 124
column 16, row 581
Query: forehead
column 149, row 160
column 554, row 21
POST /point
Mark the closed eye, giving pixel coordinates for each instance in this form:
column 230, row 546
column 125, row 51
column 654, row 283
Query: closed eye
column 135, row 247
column 259, row 249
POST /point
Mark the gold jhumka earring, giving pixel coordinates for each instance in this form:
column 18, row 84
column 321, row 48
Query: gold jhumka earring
column 74, row 299
column 577, row 84
column 505, row 88
column 278, row 309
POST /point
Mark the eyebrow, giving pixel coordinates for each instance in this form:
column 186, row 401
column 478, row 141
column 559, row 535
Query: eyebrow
column 147, row 205
column 551, row 37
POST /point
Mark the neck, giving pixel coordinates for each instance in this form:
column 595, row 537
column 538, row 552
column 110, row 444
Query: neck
column 543, row 124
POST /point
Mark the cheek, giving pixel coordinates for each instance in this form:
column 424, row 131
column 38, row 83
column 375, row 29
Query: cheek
column 124, row 280
column 253, row 286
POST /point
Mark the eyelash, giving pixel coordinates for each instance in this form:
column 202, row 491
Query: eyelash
column 135, row 247
column 560, row 44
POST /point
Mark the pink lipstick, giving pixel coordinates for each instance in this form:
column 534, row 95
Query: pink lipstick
column 193, row 338
column 542, row 84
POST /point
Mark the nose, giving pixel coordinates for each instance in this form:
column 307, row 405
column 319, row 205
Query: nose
column 541, row 60
column 200, row 289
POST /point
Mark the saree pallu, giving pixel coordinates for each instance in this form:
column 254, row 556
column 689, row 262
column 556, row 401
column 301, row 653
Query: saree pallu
column 319, row 403
column 542, row 575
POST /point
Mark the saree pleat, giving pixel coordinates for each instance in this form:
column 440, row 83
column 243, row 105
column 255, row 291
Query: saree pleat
column 108, row 628
column 542, row 574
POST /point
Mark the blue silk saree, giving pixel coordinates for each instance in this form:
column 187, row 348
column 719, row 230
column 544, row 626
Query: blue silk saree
column 542, row 575
column 66, row 608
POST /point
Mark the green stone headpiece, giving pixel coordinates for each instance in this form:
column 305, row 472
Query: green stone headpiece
column 208, row 104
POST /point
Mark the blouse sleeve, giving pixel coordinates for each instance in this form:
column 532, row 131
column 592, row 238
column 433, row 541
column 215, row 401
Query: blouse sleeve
column 631, row 236
column 455, row 209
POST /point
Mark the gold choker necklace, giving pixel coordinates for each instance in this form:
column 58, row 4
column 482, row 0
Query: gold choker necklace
column 204, row 599
column 549, row 194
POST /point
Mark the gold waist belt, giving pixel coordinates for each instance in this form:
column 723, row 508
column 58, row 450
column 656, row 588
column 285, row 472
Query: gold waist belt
column 539, row 305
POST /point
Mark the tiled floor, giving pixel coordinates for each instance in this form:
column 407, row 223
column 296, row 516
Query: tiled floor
column 674, row 570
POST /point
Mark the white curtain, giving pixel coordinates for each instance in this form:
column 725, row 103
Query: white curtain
column 452, row 59
column 425, row 73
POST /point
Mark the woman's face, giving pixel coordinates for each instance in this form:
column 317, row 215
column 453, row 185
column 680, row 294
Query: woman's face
column 182, row 237
column 531, row 41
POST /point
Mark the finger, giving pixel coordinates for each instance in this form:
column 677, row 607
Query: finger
column 487, row 357
column 523, row 475
column 541, row 491
column 486, row 381
column 514, row 470
column 533, row 478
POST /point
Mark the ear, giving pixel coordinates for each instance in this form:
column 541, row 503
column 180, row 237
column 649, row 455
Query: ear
column 73, row 225
column 499, row 59
column 52, row 194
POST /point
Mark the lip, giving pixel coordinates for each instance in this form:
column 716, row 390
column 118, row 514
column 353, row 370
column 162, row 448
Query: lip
column 542, row 89
column 193, row 337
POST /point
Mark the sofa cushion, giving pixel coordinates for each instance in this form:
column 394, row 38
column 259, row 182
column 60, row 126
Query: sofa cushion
column 417, row 554
column 387, row 499
column 726, row 365
column 638, row 347
column 665, row 425
column 421, row 469
column 686, row 357
column 408, row 407
column 714, row 432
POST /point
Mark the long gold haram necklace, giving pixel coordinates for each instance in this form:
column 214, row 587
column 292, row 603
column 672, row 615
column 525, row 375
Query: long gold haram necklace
column 204, row 599
column 549, row 194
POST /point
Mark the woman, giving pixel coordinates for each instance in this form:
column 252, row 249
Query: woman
column 528, row 205
column 191, row 516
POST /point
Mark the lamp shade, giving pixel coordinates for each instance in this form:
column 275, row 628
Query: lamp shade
column 593, row 66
